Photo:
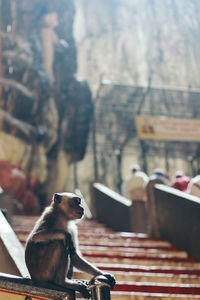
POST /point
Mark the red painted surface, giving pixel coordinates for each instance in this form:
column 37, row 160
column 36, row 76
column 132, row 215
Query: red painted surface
column 15, row 181
column 139, row 257
column 123, row 266
column 183, row 289
column 117, row 236
column 173, row 271
column 133, row 247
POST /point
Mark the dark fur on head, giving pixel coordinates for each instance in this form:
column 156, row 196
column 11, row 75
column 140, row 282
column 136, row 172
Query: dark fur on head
column 57, row 198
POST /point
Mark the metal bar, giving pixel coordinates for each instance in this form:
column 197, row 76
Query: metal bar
column 100, row 288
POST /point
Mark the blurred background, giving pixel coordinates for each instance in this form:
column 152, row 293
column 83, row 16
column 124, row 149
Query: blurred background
column 89, row 87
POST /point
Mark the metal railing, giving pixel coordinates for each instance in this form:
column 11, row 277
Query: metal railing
column 12, row 285
column 100, row 288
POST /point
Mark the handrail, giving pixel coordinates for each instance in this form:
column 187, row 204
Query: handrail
column 114, row 195
column 100, row 288
column 24, row 286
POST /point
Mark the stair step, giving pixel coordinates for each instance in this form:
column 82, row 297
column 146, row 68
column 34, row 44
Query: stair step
column 136, row 256
column 150, row 296
column 148, row 244
column 144, row 277
column 91, row 223
column 163, row 288
column 120, row 295
column 150, row 269
column 95, row 230
column 142, row 242
column 147, row 262
column 121, row 236
column 127, row 295
column 123, row 246
column 130, row 251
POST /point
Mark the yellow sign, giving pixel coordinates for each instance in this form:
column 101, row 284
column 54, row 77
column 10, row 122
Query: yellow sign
column 168, row 129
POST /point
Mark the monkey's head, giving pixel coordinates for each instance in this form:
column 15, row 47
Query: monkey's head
column 70, row 204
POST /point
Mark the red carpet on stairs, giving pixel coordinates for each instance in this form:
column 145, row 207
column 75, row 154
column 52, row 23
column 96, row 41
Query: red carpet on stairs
column 145, row 268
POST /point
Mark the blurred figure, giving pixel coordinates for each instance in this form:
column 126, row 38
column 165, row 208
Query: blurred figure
column 135, row 190
column 135, row 185
column 14, row 181
column 180, row 181
column 158, row 176
column 194, row 185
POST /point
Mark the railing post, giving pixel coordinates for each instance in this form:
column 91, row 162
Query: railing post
column 100, row 288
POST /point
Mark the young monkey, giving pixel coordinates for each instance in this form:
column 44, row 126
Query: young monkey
column 52, row 246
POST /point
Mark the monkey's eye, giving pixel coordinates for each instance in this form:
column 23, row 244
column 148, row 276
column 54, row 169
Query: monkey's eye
column 77, row 201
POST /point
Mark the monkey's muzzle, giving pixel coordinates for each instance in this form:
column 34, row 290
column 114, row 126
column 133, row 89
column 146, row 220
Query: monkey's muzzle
column 80, row 211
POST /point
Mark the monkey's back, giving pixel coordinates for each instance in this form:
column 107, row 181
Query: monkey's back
column 47, row 261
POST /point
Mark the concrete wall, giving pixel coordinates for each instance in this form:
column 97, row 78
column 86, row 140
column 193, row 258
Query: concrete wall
column 110, row 208
column 178, row 217
column 116, row 211
column 11, row 251
column 7, row 263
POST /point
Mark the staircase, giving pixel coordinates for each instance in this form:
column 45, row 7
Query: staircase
column 144, row 267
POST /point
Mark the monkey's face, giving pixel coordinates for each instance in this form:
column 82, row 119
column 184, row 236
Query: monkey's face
column 70, row 205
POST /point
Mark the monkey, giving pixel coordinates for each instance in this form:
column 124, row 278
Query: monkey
column 51, row 249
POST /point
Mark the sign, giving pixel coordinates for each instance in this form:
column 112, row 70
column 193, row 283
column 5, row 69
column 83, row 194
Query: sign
column 168, row 129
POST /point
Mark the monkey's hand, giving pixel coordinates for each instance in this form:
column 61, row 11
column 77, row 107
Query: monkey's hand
column 82, row 286
column 111, row 279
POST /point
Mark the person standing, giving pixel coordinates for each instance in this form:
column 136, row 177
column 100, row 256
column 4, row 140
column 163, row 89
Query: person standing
column 194, row 185
column 135, row 185
column 135, row 190
column 180, row 181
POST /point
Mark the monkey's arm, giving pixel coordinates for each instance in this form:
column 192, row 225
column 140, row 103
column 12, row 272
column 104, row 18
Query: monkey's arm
column 48, row 235
column 83, row 265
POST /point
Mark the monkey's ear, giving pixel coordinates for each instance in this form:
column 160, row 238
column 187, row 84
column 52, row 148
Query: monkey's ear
column 57, row 198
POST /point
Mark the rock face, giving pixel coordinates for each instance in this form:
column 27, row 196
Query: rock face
column 139, row 41
column 145, row 53
column 44, row 111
